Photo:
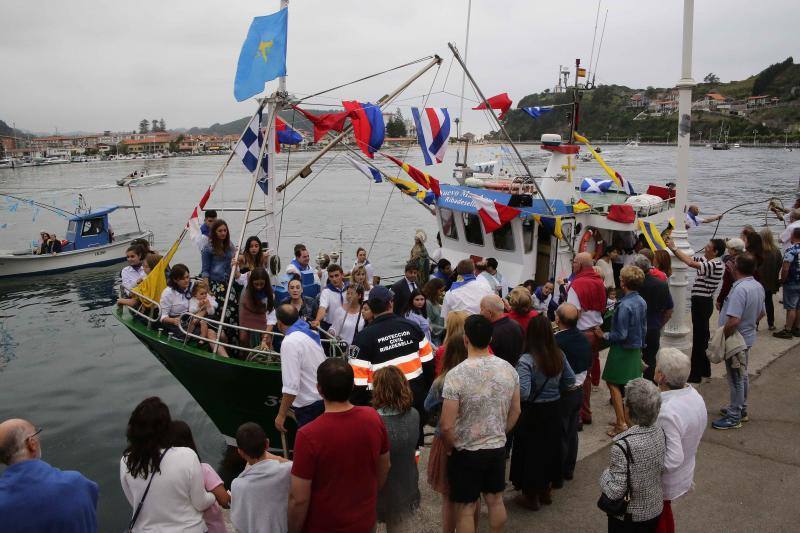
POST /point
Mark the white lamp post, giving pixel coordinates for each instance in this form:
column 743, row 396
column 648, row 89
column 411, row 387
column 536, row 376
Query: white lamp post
column 676, row 332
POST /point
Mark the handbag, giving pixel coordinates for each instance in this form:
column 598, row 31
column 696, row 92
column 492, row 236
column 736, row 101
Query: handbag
column 144, row 495
column 619, row 506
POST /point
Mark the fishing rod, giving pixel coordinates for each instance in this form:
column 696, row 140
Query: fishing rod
column 52, row 208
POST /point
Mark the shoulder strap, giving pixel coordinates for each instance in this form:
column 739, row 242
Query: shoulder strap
column 628, row 459
column 536, row 393
column 146, row 490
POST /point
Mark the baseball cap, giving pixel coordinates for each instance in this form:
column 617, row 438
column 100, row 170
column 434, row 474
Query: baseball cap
column 379, row 293
column 735, row 244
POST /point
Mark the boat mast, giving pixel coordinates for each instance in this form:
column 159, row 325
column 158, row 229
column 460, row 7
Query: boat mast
column 500, row 124
column 576, row 106
column 463, row 84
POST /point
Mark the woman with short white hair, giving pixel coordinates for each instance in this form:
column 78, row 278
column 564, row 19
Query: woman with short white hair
column 683, row 418
column 637, row 461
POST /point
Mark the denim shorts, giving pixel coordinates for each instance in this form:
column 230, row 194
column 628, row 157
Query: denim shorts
column 791, row 296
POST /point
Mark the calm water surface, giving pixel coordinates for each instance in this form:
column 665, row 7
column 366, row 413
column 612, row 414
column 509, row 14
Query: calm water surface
column 67, row 365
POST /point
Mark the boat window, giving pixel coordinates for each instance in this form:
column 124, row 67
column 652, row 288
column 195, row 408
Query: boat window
column 448, row 223
column 72, row 227
column 472, row 228
column 528, row 227
column 91, row 227
column 504, row 238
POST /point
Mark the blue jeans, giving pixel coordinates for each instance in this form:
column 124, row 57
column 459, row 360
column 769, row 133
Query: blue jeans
column 308, row 413
column 738, row 383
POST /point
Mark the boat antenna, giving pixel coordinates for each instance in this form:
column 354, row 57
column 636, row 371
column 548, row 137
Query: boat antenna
column 463, row 78
column 502, row 128
column 594, row 36
column 599, row 48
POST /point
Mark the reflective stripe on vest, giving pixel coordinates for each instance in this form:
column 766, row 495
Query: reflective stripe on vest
column 362, row 375
column 425, row 351
column 410, row 365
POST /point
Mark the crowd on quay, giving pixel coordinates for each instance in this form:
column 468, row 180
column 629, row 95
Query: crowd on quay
column 503, row 374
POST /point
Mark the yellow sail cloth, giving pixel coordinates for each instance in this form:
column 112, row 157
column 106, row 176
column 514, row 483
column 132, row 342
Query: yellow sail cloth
column 156, row 281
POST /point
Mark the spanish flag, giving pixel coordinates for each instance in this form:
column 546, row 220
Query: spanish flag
column 155, row 282
column 652, row 235
column 551, row 223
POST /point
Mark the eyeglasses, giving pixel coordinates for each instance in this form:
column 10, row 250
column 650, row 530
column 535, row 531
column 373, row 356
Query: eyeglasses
column 38, row 430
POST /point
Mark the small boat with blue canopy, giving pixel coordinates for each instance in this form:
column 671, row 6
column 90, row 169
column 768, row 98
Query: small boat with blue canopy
column 89, row 242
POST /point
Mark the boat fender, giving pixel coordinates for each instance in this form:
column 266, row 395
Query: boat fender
column 599, row 246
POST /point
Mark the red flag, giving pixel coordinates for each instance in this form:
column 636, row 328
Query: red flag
column 501, row 102
column 424, row 179
column 493, row 214
column 324, row 123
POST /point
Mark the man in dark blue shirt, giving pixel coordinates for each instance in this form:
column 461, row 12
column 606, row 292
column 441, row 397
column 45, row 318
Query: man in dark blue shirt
column 34, row 496
column 578, row 352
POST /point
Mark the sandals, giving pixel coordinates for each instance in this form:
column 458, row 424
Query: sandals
column 616, row 430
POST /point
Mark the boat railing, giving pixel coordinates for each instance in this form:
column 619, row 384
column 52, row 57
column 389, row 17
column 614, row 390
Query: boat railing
column 150, row 311
column 254, row 355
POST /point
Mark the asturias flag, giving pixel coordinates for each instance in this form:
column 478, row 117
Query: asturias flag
column 263, row 55
column 494, row 215
column 368, row 127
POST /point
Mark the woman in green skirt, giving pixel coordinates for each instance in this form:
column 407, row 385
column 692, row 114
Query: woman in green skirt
column 627, row 335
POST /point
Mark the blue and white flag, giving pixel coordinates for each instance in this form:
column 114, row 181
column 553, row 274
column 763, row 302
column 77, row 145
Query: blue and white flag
column 263, row 55
column 593, row 185
column 368, row 170
column 433, row 132
column 536, row 111
column 249, row 147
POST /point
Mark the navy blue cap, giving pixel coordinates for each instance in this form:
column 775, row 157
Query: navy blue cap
column 379, row 293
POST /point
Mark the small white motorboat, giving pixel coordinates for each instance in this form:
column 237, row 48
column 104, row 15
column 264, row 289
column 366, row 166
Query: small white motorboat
column 89, row 243
column 140, row 177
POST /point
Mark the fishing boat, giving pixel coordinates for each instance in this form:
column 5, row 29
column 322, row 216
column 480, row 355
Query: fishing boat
column 89, row 242
column 722, row 140
column 555, row 220
column 6, row 163
column 140, row 178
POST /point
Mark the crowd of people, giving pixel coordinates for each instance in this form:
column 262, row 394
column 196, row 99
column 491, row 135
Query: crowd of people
column 504, row 375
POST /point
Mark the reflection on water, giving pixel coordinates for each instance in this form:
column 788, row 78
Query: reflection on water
column 67, row 365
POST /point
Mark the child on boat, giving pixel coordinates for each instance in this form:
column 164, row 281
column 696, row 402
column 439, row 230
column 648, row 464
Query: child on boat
column 201, row 305
column 149, row 263
column 257, row 309
column 133, row 273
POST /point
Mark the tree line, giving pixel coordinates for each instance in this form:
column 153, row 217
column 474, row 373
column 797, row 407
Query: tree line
column 154, row 126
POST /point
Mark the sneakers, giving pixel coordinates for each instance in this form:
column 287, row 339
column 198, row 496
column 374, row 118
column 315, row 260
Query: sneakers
column 744, row 417
column 783, row 334
column 796, row 332
column 726, row 423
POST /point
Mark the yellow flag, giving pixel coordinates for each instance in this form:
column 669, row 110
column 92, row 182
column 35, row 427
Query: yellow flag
column 652, row 235
column 581, row 72
column 156, row 281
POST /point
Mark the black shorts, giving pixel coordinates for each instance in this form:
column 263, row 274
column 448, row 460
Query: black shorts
column 471, row 473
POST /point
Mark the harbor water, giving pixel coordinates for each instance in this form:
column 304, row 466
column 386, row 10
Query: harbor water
column 68, row 366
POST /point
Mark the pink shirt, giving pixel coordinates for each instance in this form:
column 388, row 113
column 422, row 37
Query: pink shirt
column 213, row 515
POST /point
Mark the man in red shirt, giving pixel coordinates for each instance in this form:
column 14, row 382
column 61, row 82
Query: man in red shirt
column 341, row 459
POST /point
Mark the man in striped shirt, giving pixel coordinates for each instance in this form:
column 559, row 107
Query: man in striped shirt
column 709, row 268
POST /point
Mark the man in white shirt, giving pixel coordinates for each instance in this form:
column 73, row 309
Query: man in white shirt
column 467, row 292
column 786, row 235
column 693, row 218
column 683, row 418
column 499, row 286
column 265, row 474
column 300, row 264
column 201, row 239
column 301, row 354
column 331, row 298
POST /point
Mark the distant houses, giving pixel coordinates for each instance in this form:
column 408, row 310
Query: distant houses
column 665, row 103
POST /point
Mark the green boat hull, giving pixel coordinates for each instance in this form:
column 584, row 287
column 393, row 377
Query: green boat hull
column 230, row 391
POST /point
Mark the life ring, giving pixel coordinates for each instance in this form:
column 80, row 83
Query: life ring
column 592, row 235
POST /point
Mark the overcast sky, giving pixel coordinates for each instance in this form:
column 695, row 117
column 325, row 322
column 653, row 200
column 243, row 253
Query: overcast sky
column 93, row 65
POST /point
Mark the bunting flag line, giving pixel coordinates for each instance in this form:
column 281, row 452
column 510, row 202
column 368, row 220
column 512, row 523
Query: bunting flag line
column 536, row 111
column 410, row 188
column 595, row 186
column 652, row 235
column 433, row 131
column 551, row 223
column 423, row 178
column 623, row 184
column 368, row 170
column 325, row 122
column 501, row 102
column 494, row 215
column 263, row 55
column 368, row 126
